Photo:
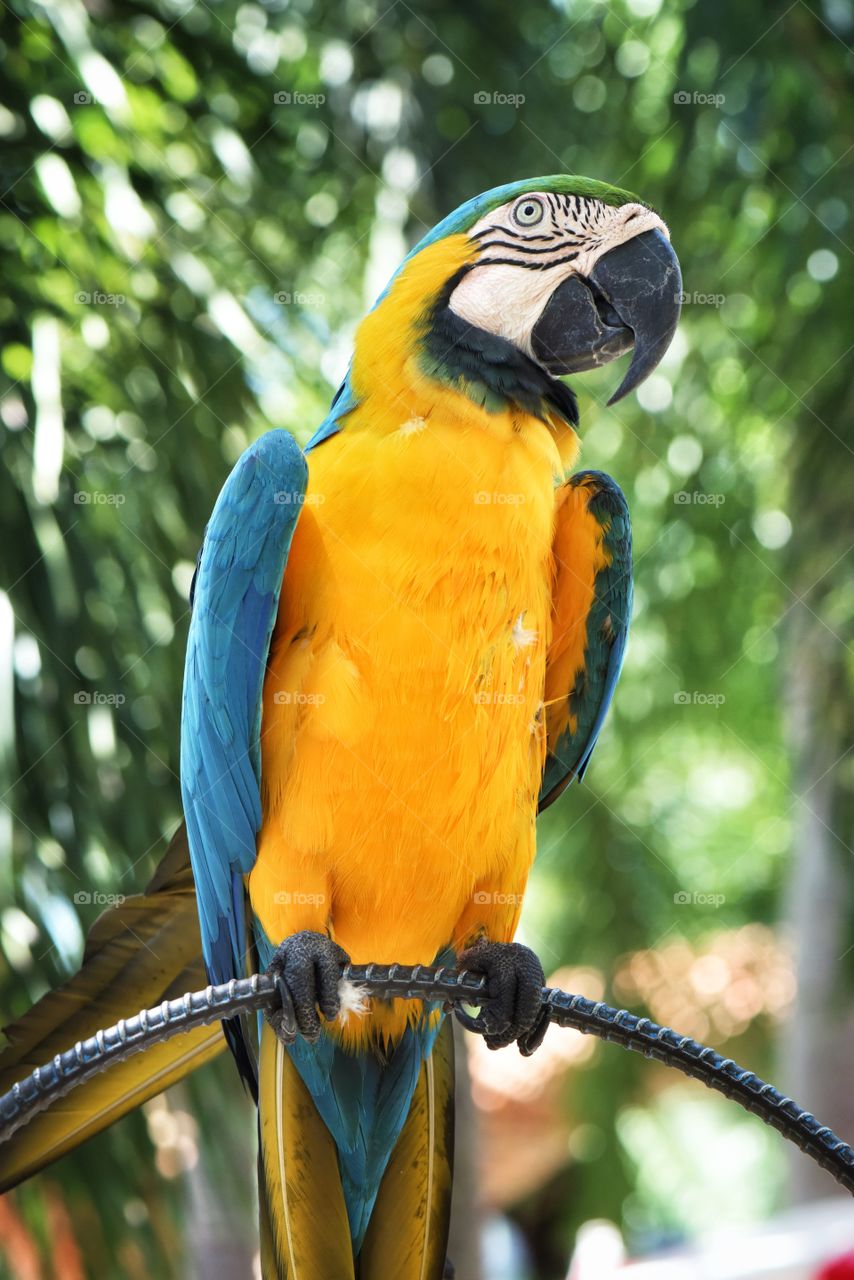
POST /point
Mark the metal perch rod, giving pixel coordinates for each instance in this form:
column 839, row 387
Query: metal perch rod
column 410, row 982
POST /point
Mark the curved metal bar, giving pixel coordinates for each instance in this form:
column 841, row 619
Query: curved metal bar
column 410, row 982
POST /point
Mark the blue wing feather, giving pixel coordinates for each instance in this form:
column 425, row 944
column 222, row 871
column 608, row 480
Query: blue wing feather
column 612, row 675
column 235, row 601
column 606, row 634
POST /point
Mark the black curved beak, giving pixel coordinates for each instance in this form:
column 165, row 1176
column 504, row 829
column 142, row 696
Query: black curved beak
column 632, row 298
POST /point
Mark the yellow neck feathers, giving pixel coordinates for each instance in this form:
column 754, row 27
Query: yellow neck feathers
column 386, row 372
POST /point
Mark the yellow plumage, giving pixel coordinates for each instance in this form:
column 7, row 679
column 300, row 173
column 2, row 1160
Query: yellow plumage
column 402, row 734
column 579, row 555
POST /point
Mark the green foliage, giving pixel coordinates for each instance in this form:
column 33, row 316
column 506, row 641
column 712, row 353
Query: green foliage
column 196, row 203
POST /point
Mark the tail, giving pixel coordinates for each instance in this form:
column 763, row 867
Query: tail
column 338, row 1199
column 408, row 1230
column 143, row 951
column 304, row 1229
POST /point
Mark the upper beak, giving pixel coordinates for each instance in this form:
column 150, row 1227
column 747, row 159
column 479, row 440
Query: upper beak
column 632, row 297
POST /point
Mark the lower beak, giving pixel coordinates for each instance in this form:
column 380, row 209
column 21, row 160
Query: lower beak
column 632, row 298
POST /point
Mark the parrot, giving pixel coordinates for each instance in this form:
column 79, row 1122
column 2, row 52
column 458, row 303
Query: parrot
column 404, row 641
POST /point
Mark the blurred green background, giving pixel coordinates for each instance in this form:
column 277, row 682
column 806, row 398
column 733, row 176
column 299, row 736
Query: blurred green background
column 197, row 203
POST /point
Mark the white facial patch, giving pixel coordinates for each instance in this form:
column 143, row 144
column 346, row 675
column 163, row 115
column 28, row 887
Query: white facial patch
column 523, row 261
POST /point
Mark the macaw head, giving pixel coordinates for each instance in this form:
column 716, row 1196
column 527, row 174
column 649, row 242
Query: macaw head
column 517, row 287
column 572, row 272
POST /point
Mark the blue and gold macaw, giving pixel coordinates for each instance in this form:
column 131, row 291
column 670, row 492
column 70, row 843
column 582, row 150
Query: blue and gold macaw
column 404, row 643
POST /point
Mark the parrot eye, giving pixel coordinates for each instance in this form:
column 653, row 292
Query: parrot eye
column 528, row 212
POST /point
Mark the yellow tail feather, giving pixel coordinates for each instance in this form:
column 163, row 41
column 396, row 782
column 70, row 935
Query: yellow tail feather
column 408, row 1232
column 138, row 953
column 305, row 1234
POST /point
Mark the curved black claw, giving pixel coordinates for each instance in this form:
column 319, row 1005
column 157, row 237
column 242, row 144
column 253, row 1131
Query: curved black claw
column 513, row 1008
column 306, row 969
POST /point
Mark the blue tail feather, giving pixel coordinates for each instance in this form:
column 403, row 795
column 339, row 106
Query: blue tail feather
column 363, row 1099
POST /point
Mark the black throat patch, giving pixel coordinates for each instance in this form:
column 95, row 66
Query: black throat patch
column 490, row 370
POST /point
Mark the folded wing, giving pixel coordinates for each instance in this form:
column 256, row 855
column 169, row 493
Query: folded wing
column 235, row 601
column 591, row 607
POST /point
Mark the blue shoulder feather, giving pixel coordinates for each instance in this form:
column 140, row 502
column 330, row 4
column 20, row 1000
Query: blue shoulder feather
column 235, row 600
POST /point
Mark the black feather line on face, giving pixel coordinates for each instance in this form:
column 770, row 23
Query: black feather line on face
column 530, row 266
column 557, row 243
column 510, row 231
column 471, row 359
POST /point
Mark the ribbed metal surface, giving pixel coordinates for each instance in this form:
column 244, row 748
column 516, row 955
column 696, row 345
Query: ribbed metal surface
column 132, row 1035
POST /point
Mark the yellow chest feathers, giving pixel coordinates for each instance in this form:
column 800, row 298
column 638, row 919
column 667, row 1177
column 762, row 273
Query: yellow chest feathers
column 402, row 735
column 418, row 589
